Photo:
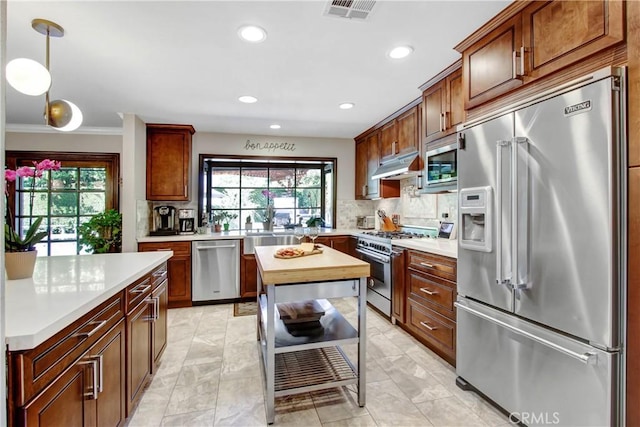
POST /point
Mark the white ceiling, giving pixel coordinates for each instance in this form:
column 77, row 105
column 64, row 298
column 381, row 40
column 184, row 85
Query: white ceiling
column 182, row 62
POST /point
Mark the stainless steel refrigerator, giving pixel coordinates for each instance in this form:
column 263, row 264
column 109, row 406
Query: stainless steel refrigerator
column 542, row 257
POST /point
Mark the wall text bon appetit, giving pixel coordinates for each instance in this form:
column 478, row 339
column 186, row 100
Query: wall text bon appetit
column 269, row 146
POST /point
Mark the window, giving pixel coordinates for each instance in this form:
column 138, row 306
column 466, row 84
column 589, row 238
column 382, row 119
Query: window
column 297, row 189
column 85, row 185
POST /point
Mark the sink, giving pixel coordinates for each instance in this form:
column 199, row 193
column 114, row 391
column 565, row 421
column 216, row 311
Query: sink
column 252, row 240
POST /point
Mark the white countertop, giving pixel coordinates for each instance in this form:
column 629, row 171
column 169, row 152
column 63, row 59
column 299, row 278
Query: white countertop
column 238, row 234
column 442, row 247
column 64, row 288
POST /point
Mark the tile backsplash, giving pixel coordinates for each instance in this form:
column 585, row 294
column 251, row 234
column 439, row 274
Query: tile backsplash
column 424, row 210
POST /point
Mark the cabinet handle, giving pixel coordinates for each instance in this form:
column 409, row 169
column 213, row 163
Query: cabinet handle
column 99, row 324
column 185, row 191
column 441, row 123
column 428, row 326
column 137, row 290
column 98, row 357
column 513, row 65
column 163, row 249
column 156, row 308
column 522, row 70
column 93, row 394
column 152, row 302
column 428, row 291
column 426, row 265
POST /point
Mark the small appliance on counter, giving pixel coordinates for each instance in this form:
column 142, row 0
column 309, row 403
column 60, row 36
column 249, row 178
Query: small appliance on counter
column 186, row 221
column 366, row 222
column 447, row 230
column 164, row 220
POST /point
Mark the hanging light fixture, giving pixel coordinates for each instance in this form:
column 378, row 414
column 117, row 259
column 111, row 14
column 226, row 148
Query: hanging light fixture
column 60, row 114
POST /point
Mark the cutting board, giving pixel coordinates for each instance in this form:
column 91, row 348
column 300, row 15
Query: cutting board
column 305, row 253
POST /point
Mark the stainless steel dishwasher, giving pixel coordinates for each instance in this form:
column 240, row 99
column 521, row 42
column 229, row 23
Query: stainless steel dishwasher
column 215, row 270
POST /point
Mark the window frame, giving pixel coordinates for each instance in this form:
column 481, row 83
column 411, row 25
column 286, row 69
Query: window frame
column 269, row 162
column 111, row 161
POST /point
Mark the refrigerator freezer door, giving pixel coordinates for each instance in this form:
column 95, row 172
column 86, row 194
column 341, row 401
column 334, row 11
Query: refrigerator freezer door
column 478, row 167
column 541, row 377
column 571, row 207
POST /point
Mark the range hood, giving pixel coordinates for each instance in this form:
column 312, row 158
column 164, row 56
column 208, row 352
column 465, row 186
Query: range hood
column 399, row 167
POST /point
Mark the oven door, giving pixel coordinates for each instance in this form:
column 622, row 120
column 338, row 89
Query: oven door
column 442, row 165
column 380, row 279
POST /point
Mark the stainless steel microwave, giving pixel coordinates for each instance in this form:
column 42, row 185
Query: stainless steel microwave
column 441, row 165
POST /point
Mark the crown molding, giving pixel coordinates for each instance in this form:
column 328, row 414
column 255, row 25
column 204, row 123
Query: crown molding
column 83, row 130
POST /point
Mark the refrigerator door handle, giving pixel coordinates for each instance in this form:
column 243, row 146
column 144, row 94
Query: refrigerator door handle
column 588, row 358
column 499, row 147
column 516, row 282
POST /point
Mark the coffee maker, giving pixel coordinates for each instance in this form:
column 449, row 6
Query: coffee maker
column 186, row 221
column 164, row 220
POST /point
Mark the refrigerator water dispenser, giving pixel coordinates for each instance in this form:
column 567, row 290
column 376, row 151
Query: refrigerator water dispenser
column 475, row 218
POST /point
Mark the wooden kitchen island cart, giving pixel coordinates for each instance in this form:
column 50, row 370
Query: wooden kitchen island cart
column 298, row 362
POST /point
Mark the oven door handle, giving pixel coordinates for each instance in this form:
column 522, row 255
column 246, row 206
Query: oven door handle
column 371, row 255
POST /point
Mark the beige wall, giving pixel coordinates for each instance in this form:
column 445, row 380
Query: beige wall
column 236, row 144
column 73, row 142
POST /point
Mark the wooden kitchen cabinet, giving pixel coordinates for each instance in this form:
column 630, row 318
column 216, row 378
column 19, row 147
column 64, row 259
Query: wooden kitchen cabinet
column 178, row 270
column 430, row 282
column 398, row 293
column 339, row 243
column 442, row 103
column 47, row 384
column 249, row 276
column 490, row 64
column 169, row 162
column 531, row 40
column 139, row 352
column 361, row 168
column 400, row 135
column 367, row 162
column 160, row 297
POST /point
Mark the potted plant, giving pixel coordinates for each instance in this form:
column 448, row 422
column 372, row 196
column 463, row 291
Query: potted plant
column 20, row 252
column 217, row 217
column 102, row 233
column 226, row 217
column 248, row 225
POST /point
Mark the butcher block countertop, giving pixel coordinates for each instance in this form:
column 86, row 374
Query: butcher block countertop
column 329, row 265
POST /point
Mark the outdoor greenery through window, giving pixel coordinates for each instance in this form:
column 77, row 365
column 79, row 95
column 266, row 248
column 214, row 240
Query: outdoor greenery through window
column 84, row 186
column 297, row 190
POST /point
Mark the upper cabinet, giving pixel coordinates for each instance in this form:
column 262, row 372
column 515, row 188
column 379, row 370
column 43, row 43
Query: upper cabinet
column 531, row 40
column 442, row 103
column 367, row 161
column 169, row 162
column 400, row 135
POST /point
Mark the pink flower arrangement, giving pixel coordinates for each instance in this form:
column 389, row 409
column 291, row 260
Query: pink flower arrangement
column 13, row 242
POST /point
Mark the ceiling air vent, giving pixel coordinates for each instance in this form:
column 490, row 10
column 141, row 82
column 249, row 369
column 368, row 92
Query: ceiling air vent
column 352, row 9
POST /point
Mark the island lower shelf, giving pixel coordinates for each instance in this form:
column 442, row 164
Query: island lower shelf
column 336, row 330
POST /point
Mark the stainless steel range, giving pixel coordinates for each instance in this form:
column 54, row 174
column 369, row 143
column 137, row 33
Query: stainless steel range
column 376, row 248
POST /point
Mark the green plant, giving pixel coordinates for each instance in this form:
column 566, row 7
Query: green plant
column 102, row 233
column 248, row 220
column 14, row 243
column 227, row 216
column 315, row 221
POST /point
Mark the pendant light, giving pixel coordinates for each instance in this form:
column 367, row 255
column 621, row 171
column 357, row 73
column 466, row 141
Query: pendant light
column 60, row 114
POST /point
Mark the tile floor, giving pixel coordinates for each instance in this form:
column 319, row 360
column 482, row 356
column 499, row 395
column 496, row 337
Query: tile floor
column 210, row 376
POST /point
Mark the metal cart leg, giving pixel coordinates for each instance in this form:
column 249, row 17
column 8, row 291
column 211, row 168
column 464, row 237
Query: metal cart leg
column 271, row 369
column 362, row 341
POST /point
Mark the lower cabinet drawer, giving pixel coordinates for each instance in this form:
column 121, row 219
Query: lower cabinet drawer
column 435, row 293
column 438, row 331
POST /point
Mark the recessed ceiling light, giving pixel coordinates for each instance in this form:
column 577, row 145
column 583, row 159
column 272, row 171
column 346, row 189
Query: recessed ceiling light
column 274, row 126
column 346, row 105
column 252, row 33
column 248, row 99
column 400, row 52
